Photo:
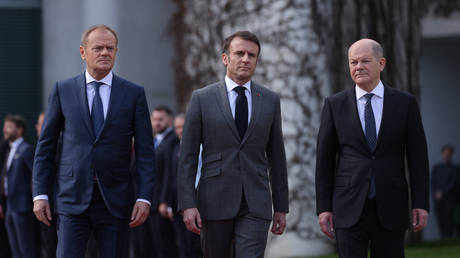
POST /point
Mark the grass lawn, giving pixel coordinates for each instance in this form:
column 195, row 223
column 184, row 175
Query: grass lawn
column 437, row 249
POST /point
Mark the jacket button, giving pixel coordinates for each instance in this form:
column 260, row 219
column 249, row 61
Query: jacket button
column 373, row 157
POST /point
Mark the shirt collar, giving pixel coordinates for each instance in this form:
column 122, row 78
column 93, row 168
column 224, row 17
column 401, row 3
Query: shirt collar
column 377, row 91
column 230, row 84
column 16, row 143
column 162, row 135
column 107, row 80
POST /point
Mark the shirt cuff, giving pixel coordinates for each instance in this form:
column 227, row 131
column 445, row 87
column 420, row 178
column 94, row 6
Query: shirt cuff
column 41, row 197
column 144, row 200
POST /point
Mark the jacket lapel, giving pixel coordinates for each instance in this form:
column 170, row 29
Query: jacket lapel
column 256, row 106
column 80, row 93
column 224, row 106
column 16, row 155
column 116, row 98
column 386, row 113
column 356, row 122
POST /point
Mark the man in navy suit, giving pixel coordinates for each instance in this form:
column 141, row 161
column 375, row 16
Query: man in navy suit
column 98, row 115
column 16, row 190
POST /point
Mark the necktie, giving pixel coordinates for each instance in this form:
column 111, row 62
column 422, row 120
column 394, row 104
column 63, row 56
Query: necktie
column 371, row 137
column 97, row 110
column 241, row 111
column 156, row 143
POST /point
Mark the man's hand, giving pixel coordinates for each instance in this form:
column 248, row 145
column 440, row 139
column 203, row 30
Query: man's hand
column 140, row 213
column 2, row 216
column 419, row 219
column 163, row 209
column 192, row 220
column 42, row 211
column 279, row 223
column 438, row 195
column 326, row 224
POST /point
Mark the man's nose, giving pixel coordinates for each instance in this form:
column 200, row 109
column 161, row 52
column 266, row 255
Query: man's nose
column 105, row 51
column 245, row 57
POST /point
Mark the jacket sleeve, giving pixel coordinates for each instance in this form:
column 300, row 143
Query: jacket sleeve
column 45, row 153
column 417, row 158
column 190, row 149
column 277, row 158
column 326, row 153
column 143, row 145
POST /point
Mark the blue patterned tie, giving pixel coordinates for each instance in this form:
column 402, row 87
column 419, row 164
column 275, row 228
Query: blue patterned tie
column 97, row 110
column 371, row 137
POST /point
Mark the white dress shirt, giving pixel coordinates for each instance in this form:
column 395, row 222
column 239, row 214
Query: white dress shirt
column 232, row 95
column 104, row 91
column 13, row 148
column 160, row 136
column 376, row 102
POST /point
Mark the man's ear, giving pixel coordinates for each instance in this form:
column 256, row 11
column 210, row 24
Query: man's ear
column 225, row 59
column 82, row 52
column 382, row 63
column 21, row 131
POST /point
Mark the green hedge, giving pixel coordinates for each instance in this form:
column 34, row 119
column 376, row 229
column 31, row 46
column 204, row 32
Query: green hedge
column 436, row 249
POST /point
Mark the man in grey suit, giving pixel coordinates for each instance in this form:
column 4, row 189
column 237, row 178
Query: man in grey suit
column 238, row 124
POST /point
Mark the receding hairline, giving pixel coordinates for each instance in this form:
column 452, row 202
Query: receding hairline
column 85, row 35
column 377, row 49
column 180, row 116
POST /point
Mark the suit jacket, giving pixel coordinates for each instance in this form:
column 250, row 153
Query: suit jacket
column 19, row 177
column 3, row 149
column 344, row 161
column 231, row 165
column 443, row 179
column 162, row 160
column 85, row 154
column 169, row 187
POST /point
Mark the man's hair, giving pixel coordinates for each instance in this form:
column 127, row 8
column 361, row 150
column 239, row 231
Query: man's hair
column 246, row 35
column 377, row 49
column 18, row 120
column 85, row 35
column 449, row 147
column 180, row 115
column 164, row 108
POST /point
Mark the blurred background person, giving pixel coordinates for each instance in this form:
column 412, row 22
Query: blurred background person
column 443, row 178
column 16, row 190
column 457, row 203
column 164, row 138
column 187, row 243
column 4, row 246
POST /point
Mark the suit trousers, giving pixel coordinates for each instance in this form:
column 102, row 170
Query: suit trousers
column 111, row 233
column 162, row 231
column 22, row 231
column 141, row 244
column 354, row 242
column 187, row 243
column 245, row 235
column 48, row 239
column 444, row 209
column 4, row 245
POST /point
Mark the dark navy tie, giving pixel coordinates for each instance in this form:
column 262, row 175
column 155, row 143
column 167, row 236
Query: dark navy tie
column 371, row 137
column 97, row 110
column 241, row 111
